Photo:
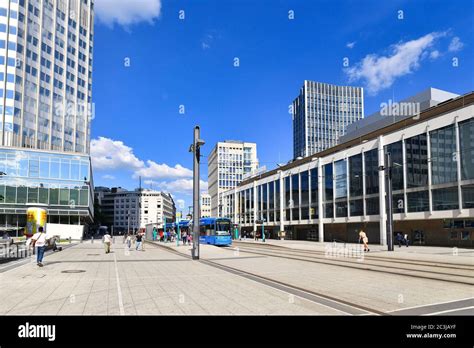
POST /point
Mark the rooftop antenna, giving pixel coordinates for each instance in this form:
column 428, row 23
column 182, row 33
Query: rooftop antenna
column 139, row 184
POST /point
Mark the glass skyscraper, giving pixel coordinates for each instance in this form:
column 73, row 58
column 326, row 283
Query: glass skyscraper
column 321, row 114
column 46, row 109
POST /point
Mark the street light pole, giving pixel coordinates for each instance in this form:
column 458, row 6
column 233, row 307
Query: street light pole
column 388, row 161
column 195, row 149
column 165, row 237
column 177, row 232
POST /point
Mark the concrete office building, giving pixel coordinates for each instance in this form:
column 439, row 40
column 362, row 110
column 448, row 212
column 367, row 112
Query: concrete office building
column 205, row 205
column 229, row 161
column 45, row 111
column 104, row 204
column 321, row 114
column 135, row 209
column 332, row 194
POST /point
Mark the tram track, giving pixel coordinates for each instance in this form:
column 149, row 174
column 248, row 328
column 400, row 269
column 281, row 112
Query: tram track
column 448, row 265
column 343, row 306
column 386, row 266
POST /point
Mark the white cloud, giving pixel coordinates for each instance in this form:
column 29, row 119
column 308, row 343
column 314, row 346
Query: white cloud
column 127, row 12
column 108, row 154
column 350, row 44
column 380, row 72
column 434, row 54
column 113, row 154
column 455, row 44
column 108, row 177
column 160, row 171
column 182, row 186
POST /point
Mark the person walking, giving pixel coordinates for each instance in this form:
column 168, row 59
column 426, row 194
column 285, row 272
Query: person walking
column 39, row 242
column 364, row 239
column 400, row 239
column 107, row 241
column 128, row 240
column 143, row 240
column 154, row 233
column 405, row 240
column 138, row 239
column 184, row 236
column 190, row 236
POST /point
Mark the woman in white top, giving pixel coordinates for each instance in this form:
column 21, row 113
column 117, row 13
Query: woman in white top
column 365, row 240
column 39, row 242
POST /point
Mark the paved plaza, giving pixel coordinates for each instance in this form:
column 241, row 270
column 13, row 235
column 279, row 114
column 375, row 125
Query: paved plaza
column 244, row 279
column 83, row 280
column 374, row 289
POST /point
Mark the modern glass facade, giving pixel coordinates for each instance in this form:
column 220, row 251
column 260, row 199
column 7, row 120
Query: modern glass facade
column 38, row 177
column 432, row 178
column 321, row 114
column 46, row 52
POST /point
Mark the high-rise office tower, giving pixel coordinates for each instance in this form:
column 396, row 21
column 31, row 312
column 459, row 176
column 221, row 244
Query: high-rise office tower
column 321, row 114
column 228, row 162
column 45, row 110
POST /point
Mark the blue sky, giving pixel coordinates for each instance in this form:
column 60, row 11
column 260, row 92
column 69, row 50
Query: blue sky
column 149, row 63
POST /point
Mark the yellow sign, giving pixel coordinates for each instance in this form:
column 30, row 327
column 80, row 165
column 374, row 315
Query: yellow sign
column 35, row 217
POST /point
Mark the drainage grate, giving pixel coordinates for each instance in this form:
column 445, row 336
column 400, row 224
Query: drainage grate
column 73, row 271
column 93, row 254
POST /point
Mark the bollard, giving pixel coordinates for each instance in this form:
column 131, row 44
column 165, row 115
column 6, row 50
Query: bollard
column 70, row 239
column 92, row 239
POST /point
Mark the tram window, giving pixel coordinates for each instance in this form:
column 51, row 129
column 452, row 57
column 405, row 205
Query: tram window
column 209, row 230
column 465, row 235
column 223, row 226
column 454, row 235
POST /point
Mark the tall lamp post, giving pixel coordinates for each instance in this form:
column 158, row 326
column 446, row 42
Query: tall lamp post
column 178, row 234
column 195, row 148
column 388, row 173
column 164, row 227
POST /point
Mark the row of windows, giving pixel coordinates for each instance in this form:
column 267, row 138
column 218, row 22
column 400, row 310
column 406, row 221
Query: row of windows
column 70, row 197
column 31, row 165
column 12, row 29
column 345, row 179
column 4, row 13
column 268, row 203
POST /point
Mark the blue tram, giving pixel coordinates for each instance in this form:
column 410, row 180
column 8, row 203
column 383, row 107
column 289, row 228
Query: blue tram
column 215, row 231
